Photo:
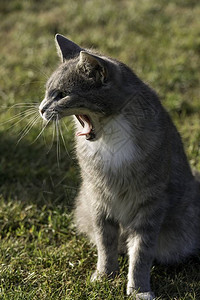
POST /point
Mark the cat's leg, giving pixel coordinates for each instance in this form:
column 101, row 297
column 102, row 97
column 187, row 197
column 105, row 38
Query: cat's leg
column 140, row 261
column 103, row 233
column 122, row 243
column 83, row 217
column 142, row 243
column 106, row 233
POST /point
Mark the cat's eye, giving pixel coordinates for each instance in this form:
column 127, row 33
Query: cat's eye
column 61, row 95
column 57, row 95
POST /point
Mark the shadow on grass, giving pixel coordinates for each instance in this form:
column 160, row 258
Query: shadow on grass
column 30, row 172
column 178, row 280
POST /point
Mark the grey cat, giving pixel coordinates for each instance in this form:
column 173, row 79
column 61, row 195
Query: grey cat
column 138, row 193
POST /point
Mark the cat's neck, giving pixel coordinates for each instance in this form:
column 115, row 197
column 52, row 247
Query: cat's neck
column 114, row 146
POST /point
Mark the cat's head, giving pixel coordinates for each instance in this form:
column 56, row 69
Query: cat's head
column 86, row 85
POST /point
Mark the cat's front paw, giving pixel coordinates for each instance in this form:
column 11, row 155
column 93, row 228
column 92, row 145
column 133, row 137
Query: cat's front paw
column 145, row 296
column 140, row 296
column 98, row 275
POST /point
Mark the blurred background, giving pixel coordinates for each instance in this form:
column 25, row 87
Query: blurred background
column 39, row 176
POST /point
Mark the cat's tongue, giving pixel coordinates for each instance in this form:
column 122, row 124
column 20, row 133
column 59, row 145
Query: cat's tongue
column 85, row 122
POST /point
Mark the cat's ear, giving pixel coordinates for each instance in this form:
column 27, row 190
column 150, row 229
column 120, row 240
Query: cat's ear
column 66, row 48
column 94, row 64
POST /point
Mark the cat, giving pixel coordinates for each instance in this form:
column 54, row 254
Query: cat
column 138, row 194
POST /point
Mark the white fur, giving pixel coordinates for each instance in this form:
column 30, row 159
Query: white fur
column 115, row 144
column 116, row 149
column 134, row 247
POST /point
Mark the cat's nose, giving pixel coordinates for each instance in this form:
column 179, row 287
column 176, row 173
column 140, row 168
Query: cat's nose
column 42, row 107
column 41, row 110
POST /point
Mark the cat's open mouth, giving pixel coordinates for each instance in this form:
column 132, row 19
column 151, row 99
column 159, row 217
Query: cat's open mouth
column 88, row 129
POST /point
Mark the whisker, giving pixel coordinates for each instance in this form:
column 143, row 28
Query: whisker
column 21, row 119
column 43, row 134
column 41, row 131
column 23, row 106
column 63, row 139
column 40, row 71
column 19, row 105
column 32, row 82
column 65, row 126
column 28, row 128
column 58, row 141
column 53, row 136
column 18, row 115
column 25, row 103
column 27, row 125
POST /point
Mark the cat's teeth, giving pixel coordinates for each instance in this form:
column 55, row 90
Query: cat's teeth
column 86, row 127
column 86, row 130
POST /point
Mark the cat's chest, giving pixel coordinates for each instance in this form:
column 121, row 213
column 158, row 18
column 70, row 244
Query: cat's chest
column 108, row 169
column 113, row 150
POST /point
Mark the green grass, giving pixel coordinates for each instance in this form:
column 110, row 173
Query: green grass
column 41, row 256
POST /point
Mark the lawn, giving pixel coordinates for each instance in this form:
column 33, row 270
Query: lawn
column 41, row 256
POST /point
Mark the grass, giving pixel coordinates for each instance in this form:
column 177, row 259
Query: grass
column 41, row 256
